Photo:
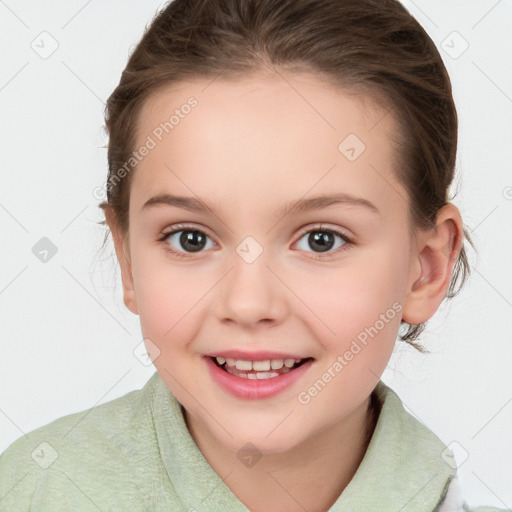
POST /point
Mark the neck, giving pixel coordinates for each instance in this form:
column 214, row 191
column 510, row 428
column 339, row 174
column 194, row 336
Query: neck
column 325, row 463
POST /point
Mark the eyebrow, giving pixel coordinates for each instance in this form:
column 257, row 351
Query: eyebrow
column 302, row 205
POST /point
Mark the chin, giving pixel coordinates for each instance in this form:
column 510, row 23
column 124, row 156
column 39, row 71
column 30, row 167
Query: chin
column 267, row 441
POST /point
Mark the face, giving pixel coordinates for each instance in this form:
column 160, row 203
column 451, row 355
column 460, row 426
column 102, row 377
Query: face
column 246, row 279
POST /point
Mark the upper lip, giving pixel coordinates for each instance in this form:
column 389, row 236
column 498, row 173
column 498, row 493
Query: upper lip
column 263, row 355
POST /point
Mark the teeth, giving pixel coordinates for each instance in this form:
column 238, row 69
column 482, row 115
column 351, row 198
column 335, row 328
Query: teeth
column 277, row 364
column 243, row 365
column 262, row 366
column 259, row 366
column 258, row 375
column 266, row 375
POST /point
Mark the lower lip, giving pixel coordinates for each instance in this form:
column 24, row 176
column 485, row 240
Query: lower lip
column 255, row 389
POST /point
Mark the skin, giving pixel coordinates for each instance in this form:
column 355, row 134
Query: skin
column 250, row 146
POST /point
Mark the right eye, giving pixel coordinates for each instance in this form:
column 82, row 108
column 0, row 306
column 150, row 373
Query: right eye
column 190, row 239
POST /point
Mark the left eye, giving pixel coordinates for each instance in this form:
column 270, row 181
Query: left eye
column 323, row 240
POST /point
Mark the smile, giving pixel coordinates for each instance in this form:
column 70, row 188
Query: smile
column 261, row 379
column 266, row 369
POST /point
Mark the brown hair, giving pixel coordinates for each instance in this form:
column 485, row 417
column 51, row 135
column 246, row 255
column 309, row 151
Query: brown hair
column 374, row 47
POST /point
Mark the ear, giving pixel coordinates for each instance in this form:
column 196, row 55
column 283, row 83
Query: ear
column 121, row 244
column 435, row 256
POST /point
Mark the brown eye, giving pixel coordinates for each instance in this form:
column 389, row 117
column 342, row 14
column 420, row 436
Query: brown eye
column 183, row 241
column 192, row 241
column 322, row 240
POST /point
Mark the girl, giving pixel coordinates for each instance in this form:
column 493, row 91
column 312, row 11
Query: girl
column 278, row 200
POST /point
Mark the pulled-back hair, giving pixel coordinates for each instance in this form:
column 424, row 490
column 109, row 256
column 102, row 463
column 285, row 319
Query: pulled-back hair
column 372, row 47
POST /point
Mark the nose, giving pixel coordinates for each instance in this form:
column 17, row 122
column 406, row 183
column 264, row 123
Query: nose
column 251, row 294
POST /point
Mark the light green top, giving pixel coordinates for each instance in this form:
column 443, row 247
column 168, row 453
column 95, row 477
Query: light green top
column 135, row 453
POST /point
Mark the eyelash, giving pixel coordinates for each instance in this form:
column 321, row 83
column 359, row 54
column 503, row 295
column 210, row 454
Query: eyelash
column 321, row 228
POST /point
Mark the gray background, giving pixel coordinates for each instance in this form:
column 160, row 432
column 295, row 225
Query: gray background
column 67, row 341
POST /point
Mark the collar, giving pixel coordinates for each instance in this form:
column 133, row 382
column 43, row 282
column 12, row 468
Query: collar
column 403, row 469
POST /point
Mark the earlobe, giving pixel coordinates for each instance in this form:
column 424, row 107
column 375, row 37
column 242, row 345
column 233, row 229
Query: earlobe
column 121, row 246
column 431, row 270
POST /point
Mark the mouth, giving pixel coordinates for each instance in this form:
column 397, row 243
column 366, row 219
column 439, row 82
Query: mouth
column 258, row 370
column 257, row 375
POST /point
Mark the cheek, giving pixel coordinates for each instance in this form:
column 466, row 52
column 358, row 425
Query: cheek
column 361, row 300
column 168, row 300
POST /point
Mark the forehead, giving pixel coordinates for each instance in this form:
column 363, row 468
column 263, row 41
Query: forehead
column 300, row 95
column 265, row 136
